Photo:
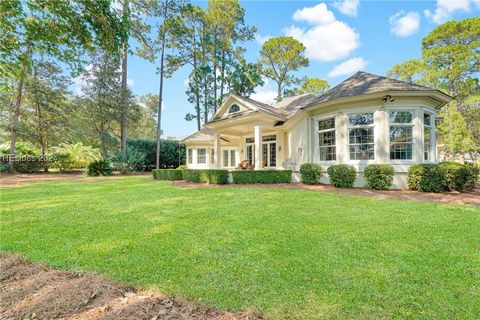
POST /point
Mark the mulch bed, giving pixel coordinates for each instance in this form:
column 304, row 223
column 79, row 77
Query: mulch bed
column 35, row 291
column 469, row 198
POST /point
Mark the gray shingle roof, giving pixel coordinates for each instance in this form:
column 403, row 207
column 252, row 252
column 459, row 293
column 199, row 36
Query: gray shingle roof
column 364, row 83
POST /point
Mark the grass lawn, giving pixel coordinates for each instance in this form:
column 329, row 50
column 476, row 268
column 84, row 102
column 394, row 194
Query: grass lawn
column 288, row 253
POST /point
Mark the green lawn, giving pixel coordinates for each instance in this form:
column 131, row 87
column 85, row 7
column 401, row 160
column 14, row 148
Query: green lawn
column 288, row 253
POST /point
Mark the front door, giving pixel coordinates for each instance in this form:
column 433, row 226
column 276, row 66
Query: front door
column 269, row 154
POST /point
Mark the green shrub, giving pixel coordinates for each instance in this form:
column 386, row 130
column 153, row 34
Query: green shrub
column 128, row 163
column 243, row 176
column 310, row 173
column 379, row 176
column 167, row 174
column 182, row 167
column 172, row 152
column 458, row 176
column 73, row 156
column 99, row 168
column 211, row 176
column 426, row 177
column 262, row 176
column 342, row 175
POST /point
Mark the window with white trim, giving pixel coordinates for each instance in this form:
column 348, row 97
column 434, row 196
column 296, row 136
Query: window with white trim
column 190, row 156
column 229, row 158
column 326, row 139
column 202, row 156
column 427, row 136
column 361, row 136
column 401, row 135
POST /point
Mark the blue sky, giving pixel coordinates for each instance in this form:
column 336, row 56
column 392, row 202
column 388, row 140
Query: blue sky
column 341, row 37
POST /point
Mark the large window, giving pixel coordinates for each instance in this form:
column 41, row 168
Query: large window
column 361, row 136
column 202, row 156
column 229, row 158
column 427, row 136
column 190, row 156
column 326, row 140
column 401, row 137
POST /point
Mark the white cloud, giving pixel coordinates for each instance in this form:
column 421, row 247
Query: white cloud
column 329, row 39
column 261, row 39
column 318, row 14
column 445, row 9
column 348, row 67
column 266, row 94
column 347, row 7
column 405, row 24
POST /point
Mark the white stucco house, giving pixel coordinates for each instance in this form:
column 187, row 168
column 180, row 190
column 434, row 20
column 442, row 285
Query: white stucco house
column 365, row 119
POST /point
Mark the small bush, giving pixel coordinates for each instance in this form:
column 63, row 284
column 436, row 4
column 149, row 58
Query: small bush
column 128, row 163
column 182, row 167
column 427, row 178
column 211, row 176
column 342, row 175
column 310, row 173
column 99, row 168
column 458, row 176
column 379, row 176
column 167, row 174
column 262, row 176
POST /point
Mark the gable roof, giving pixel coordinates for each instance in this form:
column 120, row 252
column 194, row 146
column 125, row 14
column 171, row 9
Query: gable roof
column 202, row 135
column 364, row 83
column 290, row 105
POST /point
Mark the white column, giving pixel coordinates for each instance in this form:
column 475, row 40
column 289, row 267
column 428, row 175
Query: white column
column 381, row 136
column 216, row 150
column 258, row 147
column 418, row 136
column 341, row 137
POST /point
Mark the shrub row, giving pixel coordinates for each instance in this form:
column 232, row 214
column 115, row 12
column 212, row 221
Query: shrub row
column 262, row 176
column 445, row 176
column 377, row 176
column 167, row 174
column 211, row 176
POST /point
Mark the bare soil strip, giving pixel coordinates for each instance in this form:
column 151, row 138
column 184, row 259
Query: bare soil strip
column 35, row 291
column 469, row 198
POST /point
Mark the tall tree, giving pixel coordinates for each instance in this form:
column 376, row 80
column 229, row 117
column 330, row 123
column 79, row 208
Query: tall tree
column 455, row 135
column 279, row 58
column 314, row 86
column 60, row 29
column 411, row 71
column 471, row 114
column 101, row 90
column 244, row 78
column 154, row 50
column 452, row 53
column 46, row 112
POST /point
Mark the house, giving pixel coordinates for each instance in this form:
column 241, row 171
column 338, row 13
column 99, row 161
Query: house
column 365, row 119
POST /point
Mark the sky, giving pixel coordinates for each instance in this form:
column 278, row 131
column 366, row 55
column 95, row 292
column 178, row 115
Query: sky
column 341, row 37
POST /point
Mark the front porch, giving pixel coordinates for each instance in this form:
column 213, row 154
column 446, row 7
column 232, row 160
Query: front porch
column 258, row 147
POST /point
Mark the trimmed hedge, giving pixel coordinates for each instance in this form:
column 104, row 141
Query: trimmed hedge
column 342, row 175
column 262, row 176
column 379, row 176
column 167, row 174
column 311, row 173
column 211, row 176
column 445, row 176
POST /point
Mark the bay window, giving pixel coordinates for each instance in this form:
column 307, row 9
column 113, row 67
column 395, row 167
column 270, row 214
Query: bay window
column 401, row 135
column 326, row 139
column 361, row 136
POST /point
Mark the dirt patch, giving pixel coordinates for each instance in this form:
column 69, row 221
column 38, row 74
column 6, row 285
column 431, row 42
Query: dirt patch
column 19, row 179
column 35, row 291
column 470, row 198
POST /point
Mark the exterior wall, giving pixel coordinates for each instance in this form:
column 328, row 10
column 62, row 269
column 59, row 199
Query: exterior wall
column 417, row 106
column 297, row 142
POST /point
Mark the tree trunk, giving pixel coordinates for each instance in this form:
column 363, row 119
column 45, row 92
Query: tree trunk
column 222, row 77
column 279, row 91
column 160, row 94
column 215, row 75
column 205, row 79
column 197, row 94
column 123, row 116
column 16, row 117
